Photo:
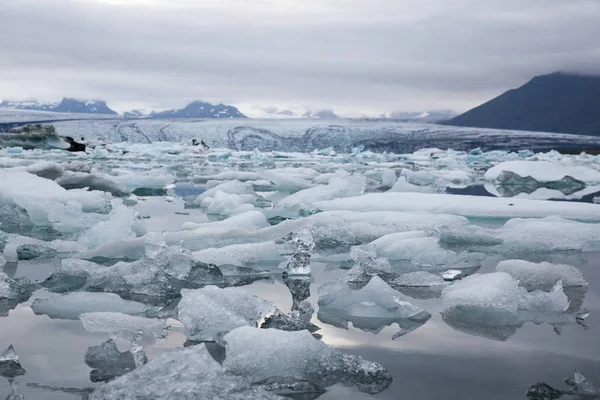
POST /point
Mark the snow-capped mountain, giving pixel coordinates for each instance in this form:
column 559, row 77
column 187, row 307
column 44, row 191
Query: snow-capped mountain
column 200, row 109
column 324, row 114
column 424, row 116
column 135, row 114
column 67, row 105
column 29, row 105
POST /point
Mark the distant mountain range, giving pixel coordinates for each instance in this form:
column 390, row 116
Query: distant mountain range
column 422, row 116
column 67, row 105
column 559, row 102
column 200, row 109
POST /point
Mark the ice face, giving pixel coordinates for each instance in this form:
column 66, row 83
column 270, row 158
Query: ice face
column 388, row 179
column 371, row 308
column 299, row 263
column 182, row 374
column 210, row 312
column 259, row 354
column 72, row 305
column 543, row 275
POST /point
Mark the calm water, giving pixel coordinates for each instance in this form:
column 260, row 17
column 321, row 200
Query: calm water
column 432, row 362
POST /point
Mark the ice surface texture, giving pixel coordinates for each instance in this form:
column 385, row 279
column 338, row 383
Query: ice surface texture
column 181, row 374
column 210, row 312
column 259, row 354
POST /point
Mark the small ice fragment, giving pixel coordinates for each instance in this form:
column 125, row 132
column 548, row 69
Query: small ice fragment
column 10, row 367
column 596, row 200
column 453, row 274
column 108, row 362
column 299, row 264
column 543, row 391
column 582, row 387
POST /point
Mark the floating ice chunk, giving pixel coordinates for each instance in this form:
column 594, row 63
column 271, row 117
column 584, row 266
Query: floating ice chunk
column 260, row 354
column 285, row 322
column 299, row 263
column 403, row 186
column 582, row 387
column 240, row 254
column 229, row 176
column 500, row 290
column 229, row 187
column 138, row 180
column 40, row 196
column 108, row 362
column 226, row 204
column 26, row 248
column 288, row 183
column 371, row 308
column 43, row 169
column 209, row 313
column 118, row 225
column 543, row 171
column 81, row 180
column 543, row 391
column 418, row 177
column 13, row 292
column 336, row 188
column 470, row 235
column 596, row 200
column 251, row 220
column 10, row 367
column 543, row 275
column 184, row 374
column 388, row 179
column 71, row 305
column 469, row 206
column 125, row 326
column 413, row 249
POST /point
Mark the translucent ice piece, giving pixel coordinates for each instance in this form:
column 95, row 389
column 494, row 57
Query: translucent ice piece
column 209, row 313
column 543, row 275
column 259, row 354
column 304, row 244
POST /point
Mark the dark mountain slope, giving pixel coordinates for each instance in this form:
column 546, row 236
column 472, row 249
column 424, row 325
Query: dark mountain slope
column 558, row 102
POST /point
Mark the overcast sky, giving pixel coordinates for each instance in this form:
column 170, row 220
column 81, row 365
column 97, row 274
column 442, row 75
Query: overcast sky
column 353, row 56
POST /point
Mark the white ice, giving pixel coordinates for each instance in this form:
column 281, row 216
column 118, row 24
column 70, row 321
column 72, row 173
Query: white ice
column 541, row 275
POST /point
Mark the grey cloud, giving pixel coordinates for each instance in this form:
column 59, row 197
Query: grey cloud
column 346, row 54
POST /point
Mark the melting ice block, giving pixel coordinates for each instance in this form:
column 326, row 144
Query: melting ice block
column 72, row 305
column 371, row 308
column 543, row 275
column 210, row 312
column 259, row 354
column 183, row 374
column 81, row 180
column 336, row 188
column 108, row 362
column 403, row 186
column 241, row 254
column 468, row 206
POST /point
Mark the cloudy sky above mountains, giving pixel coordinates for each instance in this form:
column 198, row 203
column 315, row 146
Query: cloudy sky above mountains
column 350, row 55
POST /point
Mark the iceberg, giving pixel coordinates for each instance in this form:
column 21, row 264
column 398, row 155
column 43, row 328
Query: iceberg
column 209, row 313
column 259, row 354
column 336, row 188
column 183, row 374
column 494, row 305
column 371, row 308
